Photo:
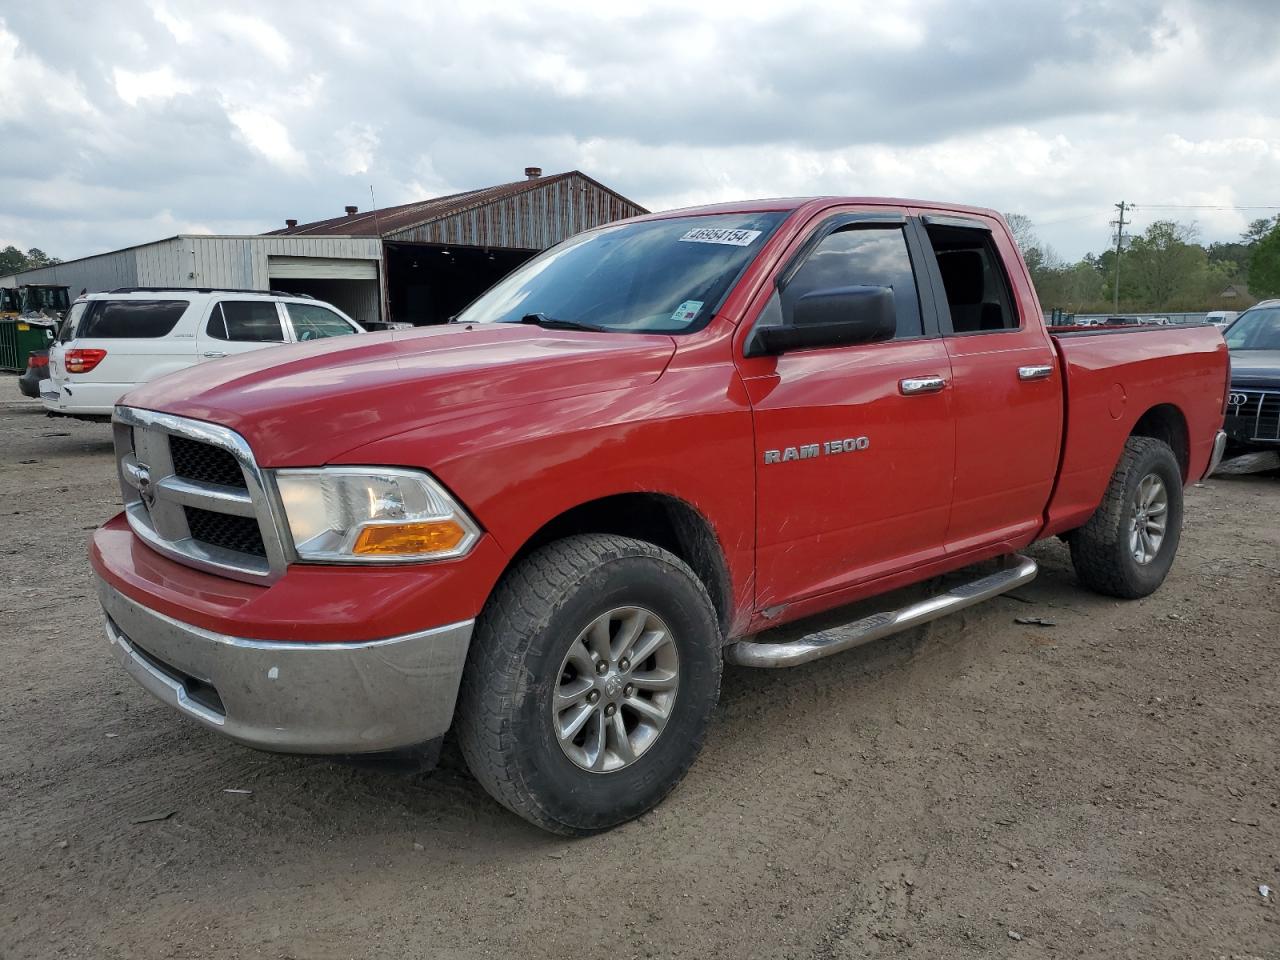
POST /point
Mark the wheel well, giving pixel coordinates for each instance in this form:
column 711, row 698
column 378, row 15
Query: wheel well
column 1166, row 422
column 666, row 521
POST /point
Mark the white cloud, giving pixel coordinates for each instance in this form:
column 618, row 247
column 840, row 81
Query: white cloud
column 356, row 143
column 269, row 137
column 180, row 29
column 292, row 109
column 29, row 87
column 258, row 34
column 157, row 84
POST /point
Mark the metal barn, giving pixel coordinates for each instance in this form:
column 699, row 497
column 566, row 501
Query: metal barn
column 440, row 254
column 418, row 263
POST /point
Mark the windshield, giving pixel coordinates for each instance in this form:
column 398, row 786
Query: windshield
column 47, row 298
column 1255, row 330
column 657, row 276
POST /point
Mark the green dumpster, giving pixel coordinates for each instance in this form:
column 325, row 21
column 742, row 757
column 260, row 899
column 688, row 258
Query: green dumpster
column 18, row 337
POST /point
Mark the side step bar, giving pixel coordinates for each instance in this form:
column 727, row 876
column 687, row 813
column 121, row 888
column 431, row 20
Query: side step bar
column 824, row 643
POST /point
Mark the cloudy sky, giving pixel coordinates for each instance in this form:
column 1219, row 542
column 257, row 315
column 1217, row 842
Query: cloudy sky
column 124, row 122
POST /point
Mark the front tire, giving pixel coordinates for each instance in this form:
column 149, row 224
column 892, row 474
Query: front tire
column 1129, row 544
column 590, row 683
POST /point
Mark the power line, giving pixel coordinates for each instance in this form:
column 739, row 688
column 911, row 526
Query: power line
column 1206, row 206
column 1075, row 219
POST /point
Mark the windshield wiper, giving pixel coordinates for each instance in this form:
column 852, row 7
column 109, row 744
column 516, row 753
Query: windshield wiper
column 551, row 323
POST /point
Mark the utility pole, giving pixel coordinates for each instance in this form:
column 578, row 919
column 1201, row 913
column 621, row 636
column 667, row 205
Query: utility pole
column 1119, row 224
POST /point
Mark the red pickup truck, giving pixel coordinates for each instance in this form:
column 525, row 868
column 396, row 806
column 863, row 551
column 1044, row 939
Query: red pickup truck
column 549, row 523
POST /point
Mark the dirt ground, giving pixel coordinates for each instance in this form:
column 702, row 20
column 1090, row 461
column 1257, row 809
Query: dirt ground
column 1104, row 787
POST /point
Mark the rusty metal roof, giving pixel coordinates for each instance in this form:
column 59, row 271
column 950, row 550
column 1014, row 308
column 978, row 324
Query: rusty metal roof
column 390, row 221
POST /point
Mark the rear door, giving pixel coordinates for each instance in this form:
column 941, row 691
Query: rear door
column 238, row 326
column 1007, row 392
column 854, row 443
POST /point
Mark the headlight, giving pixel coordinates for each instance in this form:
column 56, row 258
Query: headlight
column 368, row 514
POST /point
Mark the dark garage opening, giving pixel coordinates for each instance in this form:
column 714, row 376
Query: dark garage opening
column 429, row 283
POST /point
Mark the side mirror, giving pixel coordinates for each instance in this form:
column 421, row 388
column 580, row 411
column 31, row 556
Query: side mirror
column 839, row 316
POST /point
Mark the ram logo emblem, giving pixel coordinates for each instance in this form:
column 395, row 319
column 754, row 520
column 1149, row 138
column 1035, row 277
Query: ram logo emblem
column 807, row 451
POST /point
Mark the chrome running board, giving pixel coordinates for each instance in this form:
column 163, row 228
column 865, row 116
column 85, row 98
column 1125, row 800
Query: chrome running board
column 824, row 643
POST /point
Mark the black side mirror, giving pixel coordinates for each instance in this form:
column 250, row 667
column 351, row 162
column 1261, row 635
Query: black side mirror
column 838, row 316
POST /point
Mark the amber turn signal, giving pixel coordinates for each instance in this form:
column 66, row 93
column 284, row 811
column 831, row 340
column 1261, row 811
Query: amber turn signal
column 407, row 539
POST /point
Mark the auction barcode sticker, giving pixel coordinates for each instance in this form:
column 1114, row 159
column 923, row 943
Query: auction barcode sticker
column 734, row 238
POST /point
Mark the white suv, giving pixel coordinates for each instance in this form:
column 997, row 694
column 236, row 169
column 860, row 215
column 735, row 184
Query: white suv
column 111, row 342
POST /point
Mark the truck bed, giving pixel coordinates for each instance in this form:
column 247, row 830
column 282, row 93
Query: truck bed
column 1115, row 376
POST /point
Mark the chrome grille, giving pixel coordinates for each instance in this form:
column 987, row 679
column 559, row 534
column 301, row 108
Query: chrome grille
column 204, row 463
column 1253, row 414
column 193, row 492
column 240, row 534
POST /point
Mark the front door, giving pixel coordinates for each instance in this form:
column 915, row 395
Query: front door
column 238, row 326
column 854, row 444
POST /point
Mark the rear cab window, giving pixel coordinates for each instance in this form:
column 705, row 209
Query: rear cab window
column 120, row 319
column 254, row 321
column 313, row 322
column 978, row 296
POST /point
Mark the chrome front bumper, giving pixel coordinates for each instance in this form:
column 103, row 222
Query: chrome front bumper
column 294, row 697
column 1219, row 447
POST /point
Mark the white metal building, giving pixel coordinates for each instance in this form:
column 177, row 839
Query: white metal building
column 341, row 270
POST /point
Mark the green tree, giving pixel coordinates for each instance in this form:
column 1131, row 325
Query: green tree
column 38, row 258
column 1164, row 266
column 1081, row 284
column 1042, row 262
column 1232, row 256
column 1258, row 229
column 12, row 260
column 1264, row 265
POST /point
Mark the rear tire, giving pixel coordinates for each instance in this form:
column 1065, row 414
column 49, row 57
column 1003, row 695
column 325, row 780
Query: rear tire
column 1129, row 544
column 551, row 650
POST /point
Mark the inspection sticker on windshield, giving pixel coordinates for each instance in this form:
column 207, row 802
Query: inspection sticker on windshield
column 686, row 312
column 734, row 238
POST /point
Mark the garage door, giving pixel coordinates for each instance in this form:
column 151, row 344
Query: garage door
column 321, row 268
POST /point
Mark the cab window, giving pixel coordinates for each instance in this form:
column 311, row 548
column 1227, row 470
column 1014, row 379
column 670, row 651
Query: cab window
column 255, row 321
column 978, row 296
column 132, row 319
column 314, row 322
column 858, row 255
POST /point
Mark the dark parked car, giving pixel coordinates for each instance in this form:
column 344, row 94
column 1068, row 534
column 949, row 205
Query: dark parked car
column 37, row 370
column 1253, row 404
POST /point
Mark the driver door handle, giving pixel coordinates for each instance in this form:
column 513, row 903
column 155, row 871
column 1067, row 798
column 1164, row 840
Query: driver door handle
column 213, row 354
column 1037, row 372
column 916, row 385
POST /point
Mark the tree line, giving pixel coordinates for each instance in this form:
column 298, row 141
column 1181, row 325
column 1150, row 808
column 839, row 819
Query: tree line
column 1164, row 268
column 13, row 260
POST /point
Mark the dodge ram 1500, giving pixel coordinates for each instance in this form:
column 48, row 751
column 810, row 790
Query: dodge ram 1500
column 549, row 523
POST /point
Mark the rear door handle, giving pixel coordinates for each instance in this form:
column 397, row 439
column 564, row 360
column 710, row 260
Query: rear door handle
column 213, row 354
column 1036, row 372
column 914, row 385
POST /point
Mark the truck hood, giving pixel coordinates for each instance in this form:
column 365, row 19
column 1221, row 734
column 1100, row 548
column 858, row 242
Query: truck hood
column 304, row 404
column 1255, row 368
